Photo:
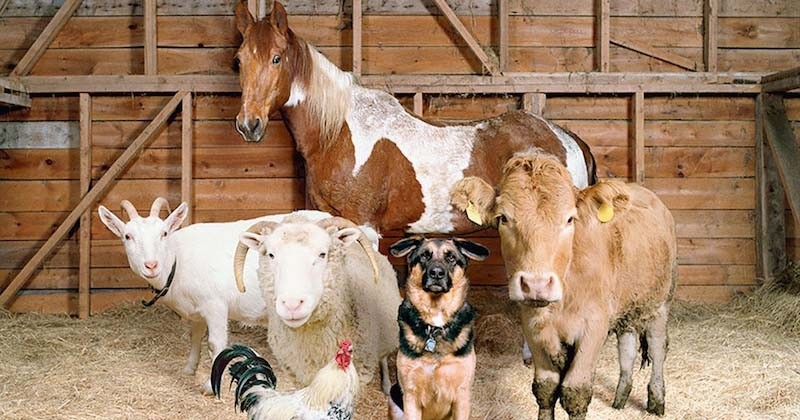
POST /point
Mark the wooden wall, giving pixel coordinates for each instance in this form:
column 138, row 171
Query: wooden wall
column 699, row 149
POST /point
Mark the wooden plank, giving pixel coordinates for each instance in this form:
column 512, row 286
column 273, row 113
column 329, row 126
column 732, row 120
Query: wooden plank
column 785, row 148
column 85, row 234
column 715, row 275
column 770, row 225
column 781, row 81
column 710, row 34
column 602, row 16
column 638, row 137
column 150, row 38
column 700, row 193
column 43, row 41
column 90, row 198
column 467, row 37
column 757, row 60
column 28, row 225
column 418, row 104
column 710, row 294
column 534, row 102
column 116, row 278
column 46, row 303
column 108, row 299
column 187, row 127
column 15, row 253
column 656, row 53
column 749, row 32
column 714, row 223
column 15, row 99
column 716, row 251
column 503, row 29
column 357, row 37
column 46, row 279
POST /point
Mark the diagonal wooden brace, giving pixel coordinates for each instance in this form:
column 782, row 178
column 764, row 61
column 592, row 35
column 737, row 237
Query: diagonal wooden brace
column 467, row 36
column 49, row 33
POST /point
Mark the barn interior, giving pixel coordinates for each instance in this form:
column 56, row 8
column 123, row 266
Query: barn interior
column 110, row 100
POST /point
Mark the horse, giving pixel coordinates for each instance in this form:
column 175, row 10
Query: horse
column 366, row 157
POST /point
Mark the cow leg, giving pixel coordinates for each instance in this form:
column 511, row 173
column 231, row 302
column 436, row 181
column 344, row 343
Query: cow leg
column 656, row 336
column 576, row 388
column 626, row 346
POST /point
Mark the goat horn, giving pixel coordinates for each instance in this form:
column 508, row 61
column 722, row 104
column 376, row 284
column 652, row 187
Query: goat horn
column 366, row 245
column 128, row 207
column 159, row 202
column 241, row 253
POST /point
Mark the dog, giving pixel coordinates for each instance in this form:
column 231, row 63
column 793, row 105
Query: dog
column 436, row 359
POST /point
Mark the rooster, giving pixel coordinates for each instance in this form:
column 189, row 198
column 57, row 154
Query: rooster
column 330, row 396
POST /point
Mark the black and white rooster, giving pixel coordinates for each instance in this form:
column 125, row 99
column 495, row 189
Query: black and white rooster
column 330, row 396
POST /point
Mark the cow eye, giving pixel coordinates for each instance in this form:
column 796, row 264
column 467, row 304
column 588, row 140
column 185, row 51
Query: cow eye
column 501, row 218
column 276, row 59
column 570, row 220
column 323, row 255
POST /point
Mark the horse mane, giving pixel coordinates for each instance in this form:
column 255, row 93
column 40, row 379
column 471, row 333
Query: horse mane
column 329, row 93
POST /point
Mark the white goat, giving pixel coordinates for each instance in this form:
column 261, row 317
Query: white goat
column 201, row 255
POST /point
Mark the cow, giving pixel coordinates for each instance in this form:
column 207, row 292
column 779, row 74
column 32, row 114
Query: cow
column 581, row 264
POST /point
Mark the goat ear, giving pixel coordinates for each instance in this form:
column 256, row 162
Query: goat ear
column 405, row 246
column 243, row 17
column 278, row 18
column 347, row 236
column 476, row 197
column 112, row 222
column 472, row 250
column 251, row 240
column 177, row 217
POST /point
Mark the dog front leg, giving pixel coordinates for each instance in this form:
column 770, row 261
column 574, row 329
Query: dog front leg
column 412, row 409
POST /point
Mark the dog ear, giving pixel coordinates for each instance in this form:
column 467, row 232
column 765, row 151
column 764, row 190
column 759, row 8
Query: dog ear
column 472, row 250
column 405, row 246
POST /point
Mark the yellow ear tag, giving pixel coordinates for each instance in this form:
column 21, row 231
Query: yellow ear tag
column 473, row 215
column 605, row 213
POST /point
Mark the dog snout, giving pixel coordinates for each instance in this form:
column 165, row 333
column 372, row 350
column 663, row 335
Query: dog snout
column 436, row 280
column 436, row 272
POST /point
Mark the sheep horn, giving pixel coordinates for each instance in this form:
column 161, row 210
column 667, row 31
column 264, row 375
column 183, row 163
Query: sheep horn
column 128, row 207
column 241, row 253
column 366, row 245
column 159, row 202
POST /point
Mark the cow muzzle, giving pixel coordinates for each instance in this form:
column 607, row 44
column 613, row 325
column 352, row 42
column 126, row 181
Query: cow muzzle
column 535, row 289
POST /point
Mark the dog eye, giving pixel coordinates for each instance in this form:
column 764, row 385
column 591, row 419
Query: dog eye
column 425, row 256
column 450, row 258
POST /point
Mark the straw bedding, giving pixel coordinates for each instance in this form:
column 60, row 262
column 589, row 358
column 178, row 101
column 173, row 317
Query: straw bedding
column 740, row 360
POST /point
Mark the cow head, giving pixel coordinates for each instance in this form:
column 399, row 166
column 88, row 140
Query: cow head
column 534, row 210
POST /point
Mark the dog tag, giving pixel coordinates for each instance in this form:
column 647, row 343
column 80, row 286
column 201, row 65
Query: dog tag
column 473, row 215
column 430, row 344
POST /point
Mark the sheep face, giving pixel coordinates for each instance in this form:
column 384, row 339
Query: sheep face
column 146, row 239
column 294, row 260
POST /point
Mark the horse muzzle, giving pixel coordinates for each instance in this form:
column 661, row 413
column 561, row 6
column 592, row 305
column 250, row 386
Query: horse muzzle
column 251, row 129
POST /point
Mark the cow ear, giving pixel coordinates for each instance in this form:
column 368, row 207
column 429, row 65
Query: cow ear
column 405, row 246
column 278, row 18
column 472, row 250
column 476, row 197
column 112, row 222
column 243, row 17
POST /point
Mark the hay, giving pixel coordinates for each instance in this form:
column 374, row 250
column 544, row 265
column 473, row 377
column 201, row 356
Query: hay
column 725, row 362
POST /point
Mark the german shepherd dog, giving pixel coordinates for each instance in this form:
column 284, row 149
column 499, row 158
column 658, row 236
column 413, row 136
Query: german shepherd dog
column 436, row 361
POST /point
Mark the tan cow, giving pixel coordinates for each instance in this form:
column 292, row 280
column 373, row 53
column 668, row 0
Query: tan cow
column 581, row 264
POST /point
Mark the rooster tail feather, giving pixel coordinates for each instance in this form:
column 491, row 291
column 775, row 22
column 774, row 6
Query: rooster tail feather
column 222, row 360
column 252, row 371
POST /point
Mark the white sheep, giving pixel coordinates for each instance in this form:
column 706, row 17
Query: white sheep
column 320, row 288
column 203, row 289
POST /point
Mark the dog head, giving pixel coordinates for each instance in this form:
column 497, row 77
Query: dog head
column 438, row 261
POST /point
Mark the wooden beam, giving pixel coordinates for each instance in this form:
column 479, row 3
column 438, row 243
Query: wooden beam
column 710, row 32
column 418, row 104
column 14, row 93
column 91, row 197
column 785, row 149
column 662, row 55
column 502, row 18
column 25, row 65
column 357, row 41
column 466, row 35
column 85, row 233
column 638, row 137
column 781, row 81
column 603, row 37
column 770, row 226
column 187, row 146
column 150, row 38
column 534, row 102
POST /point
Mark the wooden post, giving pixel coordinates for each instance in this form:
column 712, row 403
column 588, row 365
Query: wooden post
column 770, row 217
column 785, row 149
column 25, row 65
column 534, row 102
column 466, row 35
column 710, row 11
column 602, row 17
column 187, row 144
column 92, row 196
column 357, row 37
column 418, row 104
column 638, row 137
column 150, row 38
column 85, row 233
column 502, row 15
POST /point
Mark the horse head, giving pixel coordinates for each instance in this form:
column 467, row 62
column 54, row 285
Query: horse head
column 265, row 68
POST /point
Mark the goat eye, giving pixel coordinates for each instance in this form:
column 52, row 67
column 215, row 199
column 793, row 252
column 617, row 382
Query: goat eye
column 276, row 59
column 164, row 234
column 322, row 255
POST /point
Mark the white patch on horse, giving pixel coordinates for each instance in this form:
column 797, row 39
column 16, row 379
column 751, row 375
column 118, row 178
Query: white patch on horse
column 296, row 95
column 576, row 163
column 439, row 155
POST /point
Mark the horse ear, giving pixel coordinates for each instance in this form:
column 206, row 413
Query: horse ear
column 278, row 18
column 243, row 17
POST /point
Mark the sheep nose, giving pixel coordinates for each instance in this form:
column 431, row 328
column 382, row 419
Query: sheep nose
column 292, row 305
column 151, row 265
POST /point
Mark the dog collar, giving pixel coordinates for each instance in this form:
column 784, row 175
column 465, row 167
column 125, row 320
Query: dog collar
column 160, row 293
column 430, row 335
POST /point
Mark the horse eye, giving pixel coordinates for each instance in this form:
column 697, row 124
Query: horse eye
column 276, row 59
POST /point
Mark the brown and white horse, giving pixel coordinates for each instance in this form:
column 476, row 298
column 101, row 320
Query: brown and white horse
column 367, row 158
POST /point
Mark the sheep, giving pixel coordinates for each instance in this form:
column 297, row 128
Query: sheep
column 320, row 290
column 201, row 256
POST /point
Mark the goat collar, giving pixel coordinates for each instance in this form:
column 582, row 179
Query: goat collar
column 160, row 293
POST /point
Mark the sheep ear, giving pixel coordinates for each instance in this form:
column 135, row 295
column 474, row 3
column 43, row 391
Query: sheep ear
column 112, row 222
column 251, row 240
column 405, row 246
column 472, row 250
column 176, row 218
column 347, row 236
